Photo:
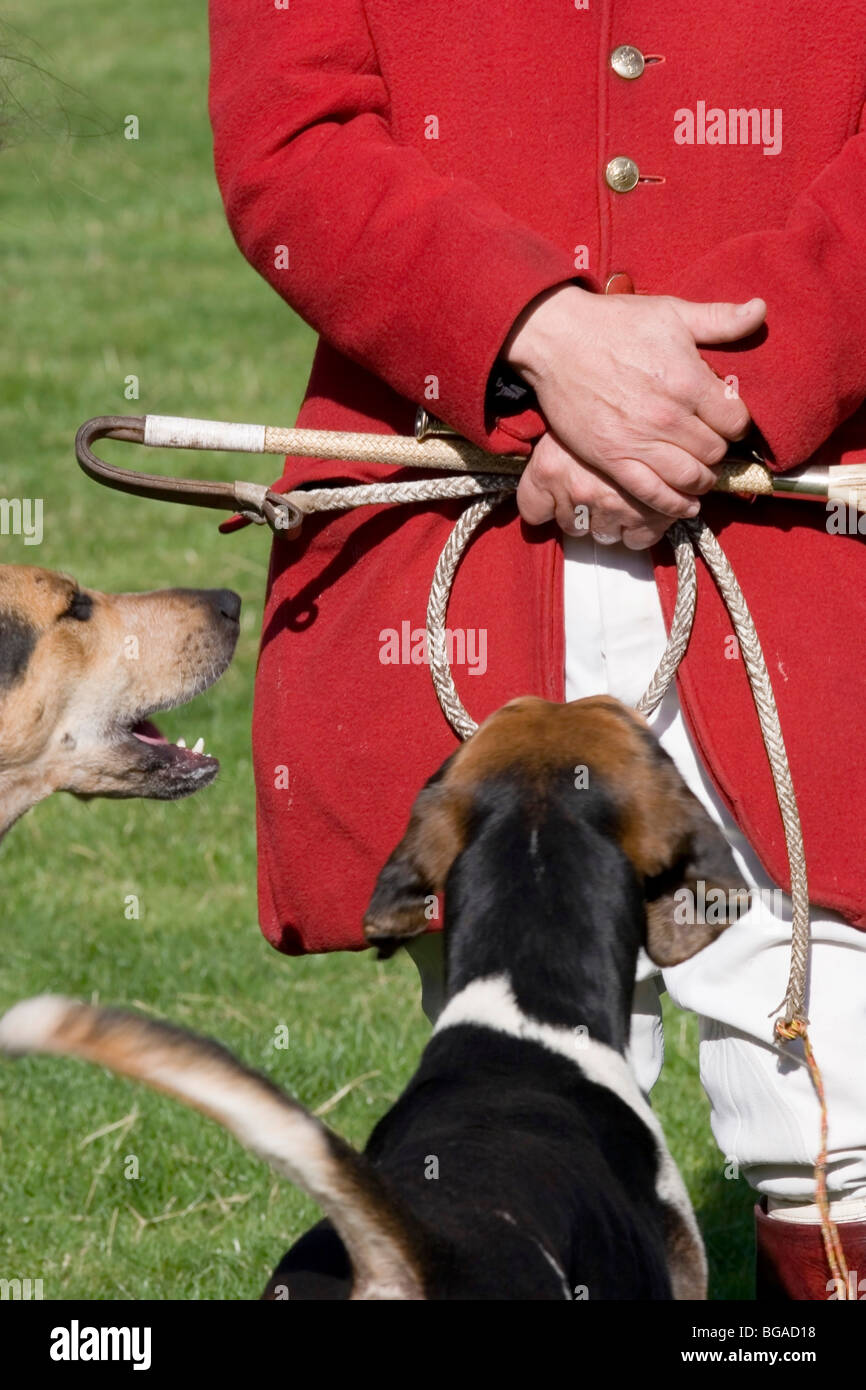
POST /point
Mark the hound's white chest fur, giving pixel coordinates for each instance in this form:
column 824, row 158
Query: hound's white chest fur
column 490, row 1003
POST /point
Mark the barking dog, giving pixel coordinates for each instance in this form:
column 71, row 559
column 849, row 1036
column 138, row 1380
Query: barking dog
column 81, row 671
column 521, row 1162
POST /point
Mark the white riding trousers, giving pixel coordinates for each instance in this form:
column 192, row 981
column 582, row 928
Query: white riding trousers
column 765, row 1114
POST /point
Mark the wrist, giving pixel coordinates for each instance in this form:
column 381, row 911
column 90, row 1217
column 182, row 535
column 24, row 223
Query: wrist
column 531, row 346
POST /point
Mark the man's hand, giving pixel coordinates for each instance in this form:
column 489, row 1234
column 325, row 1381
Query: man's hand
column 636, row 418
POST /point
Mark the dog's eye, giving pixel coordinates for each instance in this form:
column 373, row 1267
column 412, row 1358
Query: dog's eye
column 80, row 607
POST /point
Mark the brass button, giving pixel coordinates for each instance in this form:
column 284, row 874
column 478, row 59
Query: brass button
column 627, row 61
column 622, row 174
column 620, row 282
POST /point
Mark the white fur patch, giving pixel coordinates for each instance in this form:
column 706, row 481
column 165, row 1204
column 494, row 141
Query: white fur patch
column 29, row 1026
column 490, row 1003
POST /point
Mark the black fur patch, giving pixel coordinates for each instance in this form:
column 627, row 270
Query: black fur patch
column 80, row 607
column 17, row 641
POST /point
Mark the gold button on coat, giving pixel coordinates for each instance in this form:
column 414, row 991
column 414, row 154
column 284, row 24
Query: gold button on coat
column 627, row 61
column 622, row 174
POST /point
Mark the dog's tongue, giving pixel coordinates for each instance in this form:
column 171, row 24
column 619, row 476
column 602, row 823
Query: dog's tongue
column 147, row 732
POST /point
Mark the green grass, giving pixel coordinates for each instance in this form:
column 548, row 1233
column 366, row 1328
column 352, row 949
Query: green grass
column 115, row 260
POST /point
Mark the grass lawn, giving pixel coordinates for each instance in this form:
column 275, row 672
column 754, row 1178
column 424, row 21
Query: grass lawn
column 115, row 261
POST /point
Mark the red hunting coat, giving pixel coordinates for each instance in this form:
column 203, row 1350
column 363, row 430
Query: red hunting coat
column 408, row 177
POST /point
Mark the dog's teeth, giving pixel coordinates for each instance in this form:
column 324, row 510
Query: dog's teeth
column 181, row 743
column 198, row 746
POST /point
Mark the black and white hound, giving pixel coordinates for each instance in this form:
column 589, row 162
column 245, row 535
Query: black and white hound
column 521, row 1161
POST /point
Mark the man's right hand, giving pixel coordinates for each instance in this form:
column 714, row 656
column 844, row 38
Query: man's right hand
column 636, row 418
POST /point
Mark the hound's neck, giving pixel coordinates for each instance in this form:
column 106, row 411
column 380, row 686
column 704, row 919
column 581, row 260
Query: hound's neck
column 563, row 929
column 19, row 790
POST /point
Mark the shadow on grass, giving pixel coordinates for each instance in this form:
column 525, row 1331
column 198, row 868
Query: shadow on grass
column 725, row 1217
column 723, row 1204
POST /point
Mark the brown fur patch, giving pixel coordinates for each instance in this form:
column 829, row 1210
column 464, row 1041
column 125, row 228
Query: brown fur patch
column 661, row 825
column 686, row 1261
column 535, row 737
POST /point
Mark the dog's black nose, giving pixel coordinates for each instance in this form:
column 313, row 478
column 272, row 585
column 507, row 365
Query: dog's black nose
column 226, row 602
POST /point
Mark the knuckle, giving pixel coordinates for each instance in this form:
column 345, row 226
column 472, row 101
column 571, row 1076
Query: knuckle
column 706, row 484
column 651, row 491
column 574, row 521
column 669, row 504
column 680, row 382
column 543, row 466
column 533, row 506
column 610, row 511
column 606, row 499
column 638, row 539
column 664, row 415
column 690, row 476
column 716, row 451
column 526, row 489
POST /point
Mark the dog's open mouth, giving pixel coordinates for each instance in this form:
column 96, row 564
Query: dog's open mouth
column 147, row 732
column 177, row 770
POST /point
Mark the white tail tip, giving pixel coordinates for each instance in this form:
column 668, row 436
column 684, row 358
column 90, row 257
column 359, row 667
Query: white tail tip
column 28, row 1026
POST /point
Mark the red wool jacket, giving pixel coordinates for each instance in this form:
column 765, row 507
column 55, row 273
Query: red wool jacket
column 408, row 177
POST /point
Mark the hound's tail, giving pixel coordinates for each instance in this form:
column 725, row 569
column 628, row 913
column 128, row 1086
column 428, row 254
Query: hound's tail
column 379, row 1236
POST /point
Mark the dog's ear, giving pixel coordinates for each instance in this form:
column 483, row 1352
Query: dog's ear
column 699, row 893
column 415, row 873
column 692, row 887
